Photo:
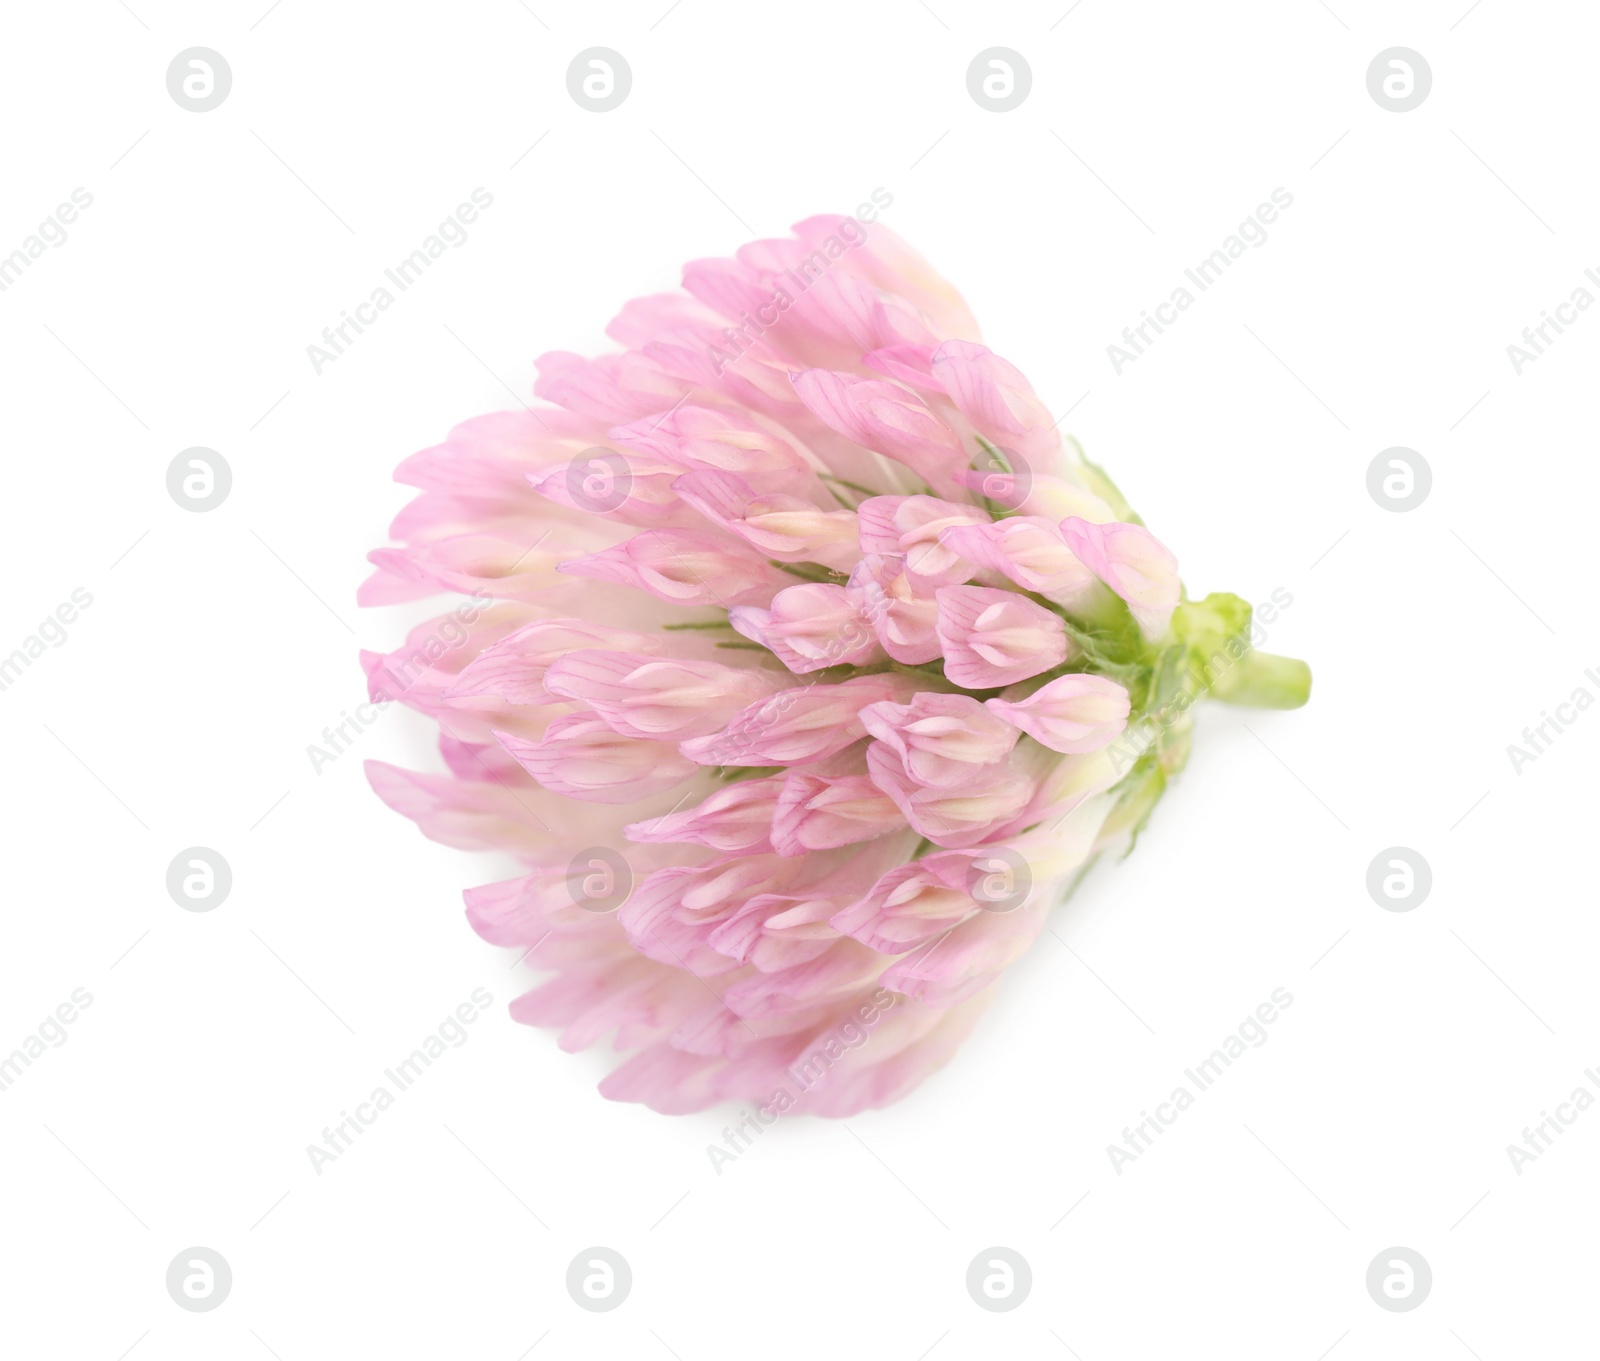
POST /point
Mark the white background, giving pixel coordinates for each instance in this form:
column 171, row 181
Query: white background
column 219, row 645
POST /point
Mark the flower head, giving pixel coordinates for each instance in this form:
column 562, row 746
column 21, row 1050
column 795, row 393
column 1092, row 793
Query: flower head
column 805, row 667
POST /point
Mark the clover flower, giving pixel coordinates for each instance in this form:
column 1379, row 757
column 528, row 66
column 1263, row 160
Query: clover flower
column 804, row 668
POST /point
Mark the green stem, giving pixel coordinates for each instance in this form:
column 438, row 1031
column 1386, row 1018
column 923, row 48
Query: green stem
column 807, row 571
column 854, row 486
column 1264, row 681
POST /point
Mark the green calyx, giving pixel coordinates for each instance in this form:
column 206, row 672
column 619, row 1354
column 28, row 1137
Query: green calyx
column 1215, row 635
column 1208, row 653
